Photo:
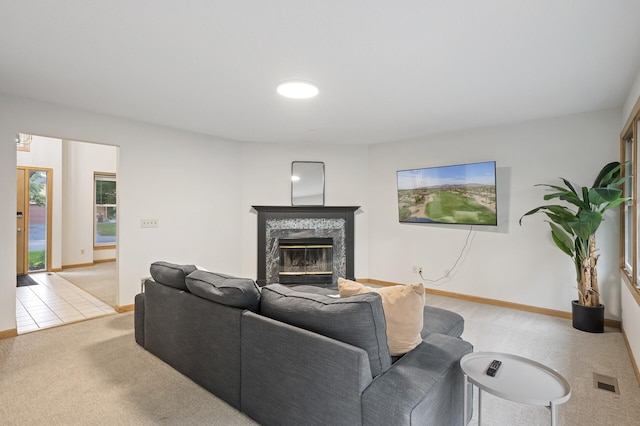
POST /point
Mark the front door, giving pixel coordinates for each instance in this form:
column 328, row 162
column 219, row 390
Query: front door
column 33, row 218
column 21, row 234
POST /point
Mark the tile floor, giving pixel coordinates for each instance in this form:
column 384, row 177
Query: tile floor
column 54, row 301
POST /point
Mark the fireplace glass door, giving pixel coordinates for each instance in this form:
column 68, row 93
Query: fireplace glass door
column 306, row 261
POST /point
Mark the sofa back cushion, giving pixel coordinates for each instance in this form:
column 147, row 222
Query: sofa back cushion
column 357, row 320
column 171, row 274
column 241, row 293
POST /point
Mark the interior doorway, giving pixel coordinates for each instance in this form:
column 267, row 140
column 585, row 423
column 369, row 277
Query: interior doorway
column 61, row 247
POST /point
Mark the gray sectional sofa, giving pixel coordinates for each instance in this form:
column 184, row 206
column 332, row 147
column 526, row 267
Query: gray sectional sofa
column 288, row 355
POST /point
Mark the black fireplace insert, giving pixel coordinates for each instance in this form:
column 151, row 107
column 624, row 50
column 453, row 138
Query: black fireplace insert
column 306, row 261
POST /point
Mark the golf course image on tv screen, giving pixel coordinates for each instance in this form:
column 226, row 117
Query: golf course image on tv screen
column 460, row 194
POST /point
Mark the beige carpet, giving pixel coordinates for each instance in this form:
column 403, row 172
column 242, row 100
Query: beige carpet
column 554, row 342
column 94, row 373
column 99, row 280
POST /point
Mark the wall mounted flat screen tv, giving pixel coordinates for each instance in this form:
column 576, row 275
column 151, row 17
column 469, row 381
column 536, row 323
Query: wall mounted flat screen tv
column 463, row 194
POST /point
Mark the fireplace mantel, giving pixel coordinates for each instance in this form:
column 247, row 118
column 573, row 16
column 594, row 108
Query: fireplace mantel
column 304, row 218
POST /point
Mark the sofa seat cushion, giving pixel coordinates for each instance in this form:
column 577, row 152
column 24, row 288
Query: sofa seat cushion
column 171, row 274
column 403, row 310
column 241, row 293
column 357, row 320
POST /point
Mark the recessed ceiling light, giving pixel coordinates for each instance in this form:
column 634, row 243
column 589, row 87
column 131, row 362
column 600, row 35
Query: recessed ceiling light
column 297, row 89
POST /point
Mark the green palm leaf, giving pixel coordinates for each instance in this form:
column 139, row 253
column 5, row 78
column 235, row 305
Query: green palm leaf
column 562, row 240
column 603, row 195
column 608, row 174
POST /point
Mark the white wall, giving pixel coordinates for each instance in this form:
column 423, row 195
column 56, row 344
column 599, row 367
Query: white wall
column 634, row 93
column 81, row 160
column 202, row 189
column 266, row 180
column 509, row 262
column 180, row 178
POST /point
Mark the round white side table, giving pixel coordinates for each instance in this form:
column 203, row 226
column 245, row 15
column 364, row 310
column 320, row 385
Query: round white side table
column 518, row 379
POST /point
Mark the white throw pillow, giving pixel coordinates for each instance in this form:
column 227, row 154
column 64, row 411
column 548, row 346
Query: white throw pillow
column 403, row 307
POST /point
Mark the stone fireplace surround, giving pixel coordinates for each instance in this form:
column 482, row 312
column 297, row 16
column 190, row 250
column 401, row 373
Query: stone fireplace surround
column 275, row 222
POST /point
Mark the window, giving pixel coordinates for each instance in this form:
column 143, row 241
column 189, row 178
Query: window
column 630, row 223
column 105, row 210
column 628, row 211
column 23, row 142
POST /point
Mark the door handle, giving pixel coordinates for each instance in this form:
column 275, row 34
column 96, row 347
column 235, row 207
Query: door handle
column 19, row 230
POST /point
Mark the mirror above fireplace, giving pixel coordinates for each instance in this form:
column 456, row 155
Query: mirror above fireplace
column 307, row 183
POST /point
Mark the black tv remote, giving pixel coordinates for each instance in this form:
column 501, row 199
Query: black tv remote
column 493, row 367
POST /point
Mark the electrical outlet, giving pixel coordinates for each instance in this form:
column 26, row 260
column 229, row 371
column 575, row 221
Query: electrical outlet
column 420, row 269
column 414, row 269
column 148, row 223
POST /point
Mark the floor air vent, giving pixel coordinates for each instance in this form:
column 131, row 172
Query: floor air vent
column 606, row 383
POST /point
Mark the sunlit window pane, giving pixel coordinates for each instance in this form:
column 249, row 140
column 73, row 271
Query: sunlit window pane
column 105, row 210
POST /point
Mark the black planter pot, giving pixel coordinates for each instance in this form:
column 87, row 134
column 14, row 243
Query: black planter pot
column 588, row 318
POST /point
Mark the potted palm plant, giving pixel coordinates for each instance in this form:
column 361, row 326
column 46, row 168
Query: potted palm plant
column 573, row 229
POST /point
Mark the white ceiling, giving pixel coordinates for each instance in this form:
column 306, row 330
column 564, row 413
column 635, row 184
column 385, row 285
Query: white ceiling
column 387, row 70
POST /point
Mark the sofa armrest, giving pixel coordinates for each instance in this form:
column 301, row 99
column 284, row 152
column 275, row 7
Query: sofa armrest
column 139, row 319
column 423, row 387
column 292, row 376
column 197, row 337
column 442, row 321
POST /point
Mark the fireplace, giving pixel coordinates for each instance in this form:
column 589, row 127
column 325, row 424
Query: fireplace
column 306, row 260
column 305, row 225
